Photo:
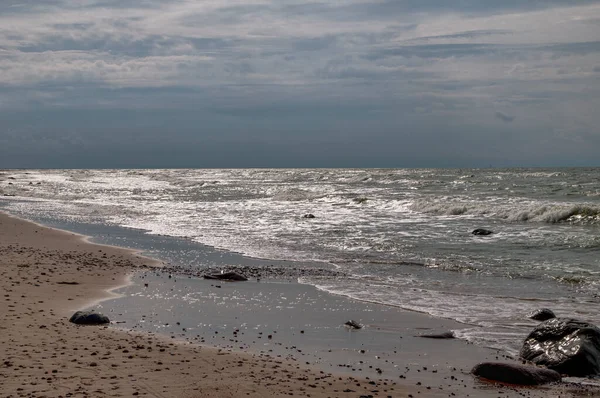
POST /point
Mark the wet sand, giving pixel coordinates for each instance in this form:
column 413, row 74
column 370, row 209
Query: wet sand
column 47, row 274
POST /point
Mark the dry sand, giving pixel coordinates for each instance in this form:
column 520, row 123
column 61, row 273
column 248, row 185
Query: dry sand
column 47, row 274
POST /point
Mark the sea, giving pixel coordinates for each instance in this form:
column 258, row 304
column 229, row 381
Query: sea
column 398, row 237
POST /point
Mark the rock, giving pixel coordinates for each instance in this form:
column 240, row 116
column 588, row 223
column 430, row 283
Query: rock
column 227, row 276
column 445, row 335
column 482, row 232
column 353, row 324
column 543, row 314
column 515, row 373
column 308, row 216
column 569, row 346
column 89, row 318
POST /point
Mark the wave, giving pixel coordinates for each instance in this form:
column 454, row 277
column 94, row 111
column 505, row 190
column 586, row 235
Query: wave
column 296, row 195
column 581, row 213
column 546, row 213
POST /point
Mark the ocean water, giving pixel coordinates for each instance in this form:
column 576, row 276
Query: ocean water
column 402, row 237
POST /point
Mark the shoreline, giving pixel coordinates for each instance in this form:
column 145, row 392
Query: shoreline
column 126, row 278
column 48, row 356
column 45, row 355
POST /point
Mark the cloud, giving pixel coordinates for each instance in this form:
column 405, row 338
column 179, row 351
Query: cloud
column 504, row 117
column 140, row 42
column 77, row 67
column 471, row 34
column 425, row 63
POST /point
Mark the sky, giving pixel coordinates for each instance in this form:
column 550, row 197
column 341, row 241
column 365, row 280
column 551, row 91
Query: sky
column 290, row 83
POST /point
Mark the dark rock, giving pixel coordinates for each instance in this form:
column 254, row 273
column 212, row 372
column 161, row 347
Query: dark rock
column 89, row 318
column 569, row 346
column 227, row 276
column 353, row 324
column 309, row 216
column 515, row 373
column 482, row 232
column 445, row 335
column 543, row 314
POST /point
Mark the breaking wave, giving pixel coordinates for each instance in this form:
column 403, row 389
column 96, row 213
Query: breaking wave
column 582, row 214
column 295, row 195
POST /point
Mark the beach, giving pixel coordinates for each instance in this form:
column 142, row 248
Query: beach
column 47, row 274
column 398, row 237
column 349, row 198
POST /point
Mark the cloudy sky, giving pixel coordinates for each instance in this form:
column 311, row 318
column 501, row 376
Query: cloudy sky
column 291, row 83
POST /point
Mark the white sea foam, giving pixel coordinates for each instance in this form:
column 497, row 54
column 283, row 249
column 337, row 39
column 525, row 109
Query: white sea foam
column 525, row 210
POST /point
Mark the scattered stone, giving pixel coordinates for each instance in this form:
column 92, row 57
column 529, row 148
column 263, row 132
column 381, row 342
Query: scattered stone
column 266, row 271
column 89, row 318
column 515, row 373
column 67, row 283
column 353, row 324
column 543, row 314
column 482, row 232
column 227, row 276
column 569, row 346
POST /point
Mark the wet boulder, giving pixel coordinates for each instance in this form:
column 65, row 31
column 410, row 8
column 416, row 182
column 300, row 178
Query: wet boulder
column 543, row 314
column 441, row 336
column 569, row 346
column 89, row 318
column 482, row 232
column 353, row 324
column 515, row 373
column 227, row 276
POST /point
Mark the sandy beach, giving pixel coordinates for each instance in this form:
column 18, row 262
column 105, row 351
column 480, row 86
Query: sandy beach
column 47, row 274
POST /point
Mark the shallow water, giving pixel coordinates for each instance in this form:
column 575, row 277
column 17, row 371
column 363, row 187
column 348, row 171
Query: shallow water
column 283, row 319
column 401, row 236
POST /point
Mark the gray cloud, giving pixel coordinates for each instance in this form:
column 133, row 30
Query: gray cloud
column 486, row 7
column 472, row 34
column 394, row 72
column 504, row 117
